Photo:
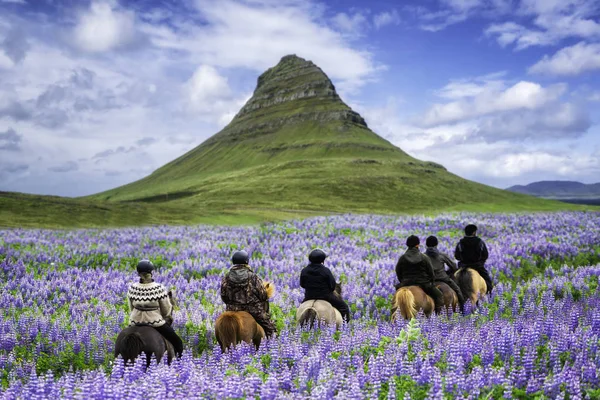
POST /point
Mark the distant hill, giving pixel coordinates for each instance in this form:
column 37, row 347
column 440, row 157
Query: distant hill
column 569, row 191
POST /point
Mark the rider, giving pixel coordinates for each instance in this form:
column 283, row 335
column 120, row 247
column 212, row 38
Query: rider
column 471, row 252
column 415, row 268
column 438, row 260
column 243, row 290
column 319, row 283
column 150, row 305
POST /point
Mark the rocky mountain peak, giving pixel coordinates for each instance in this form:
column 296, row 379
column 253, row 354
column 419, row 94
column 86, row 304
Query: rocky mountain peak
column 300, row 89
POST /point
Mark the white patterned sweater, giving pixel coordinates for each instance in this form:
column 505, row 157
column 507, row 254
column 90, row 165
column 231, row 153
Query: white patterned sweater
column 149, row 304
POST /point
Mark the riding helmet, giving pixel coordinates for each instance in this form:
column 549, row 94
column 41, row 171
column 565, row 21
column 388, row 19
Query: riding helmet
column 240, row 257
column 470, row 229
column 431, row 241
column 317, row 256
column 145, row 266
column 412, row 241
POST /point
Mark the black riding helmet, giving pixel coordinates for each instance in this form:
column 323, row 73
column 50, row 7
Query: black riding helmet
column 240, row 257
column 317, row 256
column 145, row 266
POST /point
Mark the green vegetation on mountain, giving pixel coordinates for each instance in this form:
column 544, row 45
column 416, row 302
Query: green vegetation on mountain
column 295, row 149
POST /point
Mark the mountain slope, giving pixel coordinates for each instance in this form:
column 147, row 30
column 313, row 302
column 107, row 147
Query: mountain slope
column 559, row 189
column 296, row 145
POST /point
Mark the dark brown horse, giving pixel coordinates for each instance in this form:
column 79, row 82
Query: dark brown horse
column 233, row 327
column 135, row 340
column 450, row 297
column 409, row 300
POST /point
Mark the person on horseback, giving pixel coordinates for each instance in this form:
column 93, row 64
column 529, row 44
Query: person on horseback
column 415, row 268
column 438, row 260
column 471, row 252
column 150, row 305
column 243, row 290
column 319, row 283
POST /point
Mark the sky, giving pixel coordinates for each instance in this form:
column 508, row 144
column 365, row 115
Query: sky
column 96, row 94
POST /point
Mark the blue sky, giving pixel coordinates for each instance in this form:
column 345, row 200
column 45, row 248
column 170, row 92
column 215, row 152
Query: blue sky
column 98, row 94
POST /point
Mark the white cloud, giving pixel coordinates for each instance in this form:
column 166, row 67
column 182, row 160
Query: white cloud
column 548, row 22
column 386, row 18
column 255, row 35
column 104, row 27
column 210, row 96
column 14, row 1
column 522, row 95
column 573, row 60
column 352, row 24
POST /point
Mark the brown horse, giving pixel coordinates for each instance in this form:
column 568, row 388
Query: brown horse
column 409, row 300
column 471, row 284
column 233, row 327
column 137, row 339
column 450, row 297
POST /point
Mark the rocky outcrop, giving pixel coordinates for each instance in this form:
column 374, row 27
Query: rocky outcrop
column 299, row 88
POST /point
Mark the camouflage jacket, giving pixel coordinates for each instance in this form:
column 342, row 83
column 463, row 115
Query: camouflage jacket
column 241, row 288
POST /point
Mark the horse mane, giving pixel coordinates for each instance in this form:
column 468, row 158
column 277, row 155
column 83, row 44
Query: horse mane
column 269, row 288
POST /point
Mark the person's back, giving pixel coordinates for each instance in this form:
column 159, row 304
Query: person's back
column 243, row 290
column 439, row 260
column 471, row 252
column 415, row 268
column 319, row 283
column 150, row 305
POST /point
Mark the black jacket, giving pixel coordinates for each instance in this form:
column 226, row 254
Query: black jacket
column 318, row 281
column 471, row 250
column 438, row 260
column 415, row 267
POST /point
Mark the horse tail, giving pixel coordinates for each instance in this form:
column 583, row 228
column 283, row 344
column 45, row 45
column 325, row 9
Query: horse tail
column 228, row 330
column 132, row 346
column 465, row 283
column 308, row 317
column 406, row 303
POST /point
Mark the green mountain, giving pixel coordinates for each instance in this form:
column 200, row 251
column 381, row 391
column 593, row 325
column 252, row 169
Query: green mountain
column 295, row 145
column 294, row 150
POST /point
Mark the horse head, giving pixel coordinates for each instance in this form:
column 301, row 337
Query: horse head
column 269, row 288
column 338, row 289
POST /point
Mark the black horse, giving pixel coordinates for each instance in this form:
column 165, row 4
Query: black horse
column 134, row 340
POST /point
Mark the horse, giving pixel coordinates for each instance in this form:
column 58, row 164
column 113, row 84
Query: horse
column 135, row 339
column 319, row 310
column 409, row 300
column 450, row 297
column 471, row 284
column 233, row 327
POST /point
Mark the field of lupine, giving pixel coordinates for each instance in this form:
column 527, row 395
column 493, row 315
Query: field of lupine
column 62, row 295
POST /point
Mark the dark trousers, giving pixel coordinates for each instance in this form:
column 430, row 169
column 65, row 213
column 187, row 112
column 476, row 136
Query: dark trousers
column 169, row 333
column 430, row 290
column 336, row 301
column 448, row 281
column 484, row 274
